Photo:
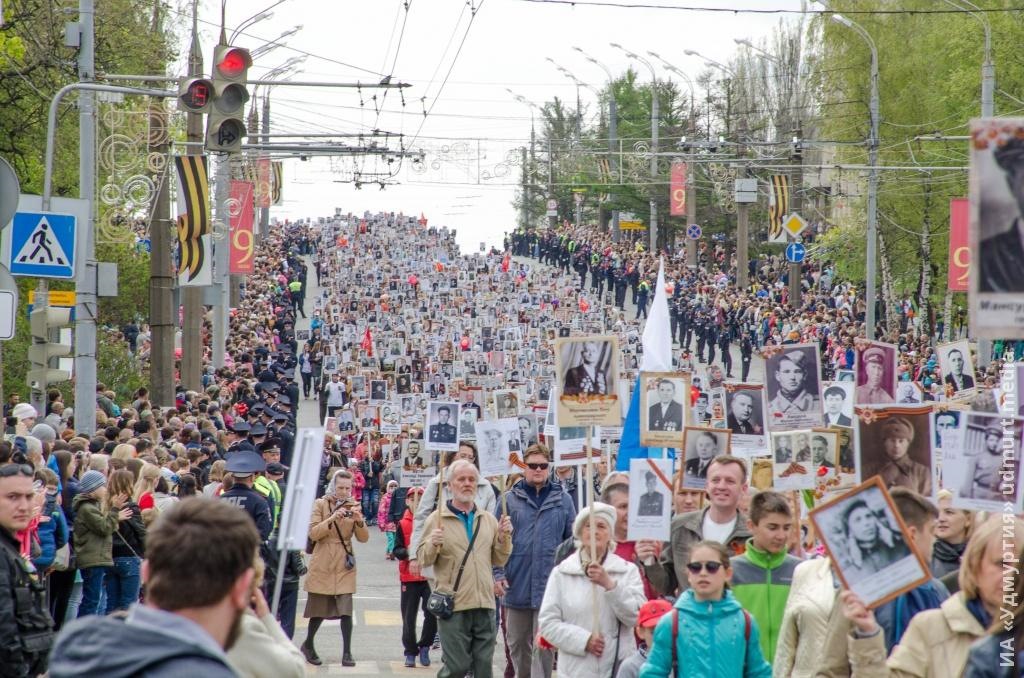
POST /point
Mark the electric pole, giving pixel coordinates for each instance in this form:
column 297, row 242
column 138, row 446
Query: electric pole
column 796, row 206
column 691, row 199
column 161, row 272
column 192, row 297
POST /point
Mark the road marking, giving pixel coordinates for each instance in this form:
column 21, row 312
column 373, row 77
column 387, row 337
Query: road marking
column 382, row 617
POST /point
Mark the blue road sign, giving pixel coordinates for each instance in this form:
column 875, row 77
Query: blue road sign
column 795, row 252
column 43, row 245
column 694, row 231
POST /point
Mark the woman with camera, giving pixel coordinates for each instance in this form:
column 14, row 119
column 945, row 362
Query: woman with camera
column 337, row 518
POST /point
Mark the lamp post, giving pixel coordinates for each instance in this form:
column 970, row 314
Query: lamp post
column 612, row 137
column 251, row 21
column 271, row 45
column 988, row 68
column 872, row 218
column 277, row 73
column 552, row 219
column 654, row 144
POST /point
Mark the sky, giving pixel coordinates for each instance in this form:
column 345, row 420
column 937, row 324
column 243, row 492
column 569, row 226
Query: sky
column 474, row 125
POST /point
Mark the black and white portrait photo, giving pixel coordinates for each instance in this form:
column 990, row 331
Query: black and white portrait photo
column 869, row 545
column 956, row 366
column 996, row 228
column 403, row 383
column 702, row 445
column 467, row 422
column 588, row 368
column 378, row 391
column 527, row 430
column 896, row 444
column 909, row 393
column 792, row 468
column 442, row 426
column 838, row 403
column 876, row 373
column 649, row 509
column 984, row 471
column 663, row 398
column 506, row 404
column 946, row 424
column 494, row 439
column 744, row 404
column 793, row 387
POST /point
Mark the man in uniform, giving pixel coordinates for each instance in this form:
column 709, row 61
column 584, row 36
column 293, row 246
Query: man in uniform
column 240, row 433
column 790, row 376
column 243, row 466
column 874, row 392
column 442, row 431
column 902, row 471
column 651, row 501
column 586, row 378
column 666, row 414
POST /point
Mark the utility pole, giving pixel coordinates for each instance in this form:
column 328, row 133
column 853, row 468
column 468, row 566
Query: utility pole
column 552, row 219
column 265, row 129
column 743, row 216
column 654, row 163
column 524, row 211
column 161, row 274
column 85, row 279
column 221, row 277
column 796, row 202
column 691, row 199
column 192, row 297
column 613, row 159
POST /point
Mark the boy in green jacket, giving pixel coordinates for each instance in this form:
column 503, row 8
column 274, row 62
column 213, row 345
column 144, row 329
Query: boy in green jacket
column 762, row 576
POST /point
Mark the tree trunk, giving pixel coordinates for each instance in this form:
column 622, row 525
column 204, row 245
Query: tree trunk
column 889, row 301
column 924, row 285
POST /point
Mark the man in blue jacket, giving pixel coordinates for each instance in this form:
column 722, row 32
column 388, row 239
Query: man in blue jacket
column 542, row 516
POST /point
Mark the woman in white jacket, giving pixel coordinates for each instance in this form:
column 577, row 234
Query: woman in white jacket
column 812, row 596
column 566, row 617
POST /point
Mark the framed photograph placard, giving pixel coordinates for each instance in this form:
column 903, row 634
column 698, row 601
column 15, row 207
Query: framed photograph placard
column 793, row 387
column 702, row 444
column 587, row 369
column 869, row 544
column 664, row 398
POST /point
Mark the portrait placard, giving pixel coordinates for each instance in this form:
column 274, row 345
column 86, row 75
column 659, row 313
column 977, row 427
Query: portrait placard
column 869, row 545
column 496, row 440
column 791, row 460
column 995, row 233
column 956, row 367
column 792, row 386
column 984, row 472
column 506, row 403
column 650, row 502
column 588, row 373
column 467, row 421
column 702, row 444
column 664, row 397
column 746, row 408
column 390, row 419
column 413, row 457
column 442, row 431
column 837, row 399
column 876, row 372
column 896, row 444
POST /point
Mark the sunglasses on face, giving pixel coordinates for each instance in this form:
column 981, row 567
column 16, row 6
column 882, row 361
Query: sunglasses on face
column 712, row 566
column 542, row 466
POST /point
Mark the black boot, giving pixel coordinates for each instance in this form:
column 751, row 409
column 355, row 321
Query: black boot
column 310, row 654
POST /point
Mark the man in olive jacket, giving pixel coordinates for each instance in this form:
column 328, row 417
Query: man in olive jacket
column 468, row 636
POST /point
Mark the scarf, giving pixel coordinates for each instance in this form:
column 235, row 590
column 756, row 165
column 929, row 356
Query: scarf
column 977, row 609
column 924, row 597
column 948, row 553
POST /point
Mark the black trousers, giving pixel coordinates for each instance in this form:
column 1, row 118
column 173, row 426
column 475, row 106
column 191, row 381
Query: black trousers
column 414, row 596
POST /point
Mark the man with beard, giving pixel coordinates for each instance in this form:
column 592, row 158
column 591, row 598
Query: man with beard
column 792, row 397
column 198, row 575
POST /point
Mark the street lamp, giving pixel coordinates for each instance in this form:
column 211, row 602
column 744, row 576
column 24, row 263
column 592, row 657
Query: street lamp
column 710, row 63
column 672, row 69
column 251, row 21
column 282, row 72
column 613, row 123
column 654, row 143
column 872, row 218
column 271, row 45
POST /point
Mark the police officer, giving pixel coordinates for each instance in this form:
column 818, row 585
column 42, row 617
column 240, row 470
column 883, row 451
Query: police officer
column 26, row 628
column 240, row 433
column 243, row 466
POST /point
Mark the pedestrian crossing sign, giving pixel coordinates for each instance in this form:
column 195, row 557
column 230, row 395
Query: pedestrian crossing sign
column 42, row 245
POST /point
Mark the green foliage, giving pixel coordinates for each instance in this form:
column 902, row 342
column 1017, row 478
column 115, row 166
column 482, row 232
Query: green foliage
column 132, row 300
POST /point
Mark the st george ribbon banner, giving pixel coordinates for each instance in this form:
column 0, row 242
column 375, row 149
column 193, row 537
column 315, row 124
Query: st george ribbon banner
column 959, row 253
column 241, row 211
column 677, row 190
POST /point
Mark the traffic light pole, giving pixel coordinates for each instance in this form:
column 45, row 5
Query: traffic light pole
column 85, row 275
column 162, row 316
column 37, row 395
column 192, row 297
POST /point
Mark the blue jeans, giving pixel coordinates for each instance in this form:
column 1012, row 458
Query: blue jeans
column 122, row 583
column 370, row 499
column 92, row 588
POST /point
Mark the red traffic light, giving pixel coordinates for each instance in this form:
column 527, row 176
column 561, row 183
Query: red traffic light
column 234, row 62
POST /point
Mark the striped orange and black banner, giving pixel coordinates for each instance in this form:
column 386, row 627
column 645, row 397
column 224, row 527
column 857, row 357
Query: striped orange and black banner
column 194, row 217
column 778, row 207
column 276, row 182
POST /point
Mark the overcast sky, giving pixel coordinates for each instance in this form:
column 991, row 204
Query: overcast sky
column 473, row 116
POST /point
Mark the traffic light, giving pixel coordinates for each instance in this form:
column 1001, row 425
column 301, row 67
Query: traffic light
column 195, row 94
column 225, row 125
column 43, row 321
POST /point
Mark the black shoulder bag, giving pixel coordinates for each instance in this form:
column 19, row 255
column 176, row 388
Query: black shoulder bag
column 442, row 605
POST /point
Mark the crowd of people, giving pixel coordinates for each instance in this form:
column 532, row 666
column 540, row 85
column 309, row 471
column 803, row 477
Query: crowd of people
column 433, row 374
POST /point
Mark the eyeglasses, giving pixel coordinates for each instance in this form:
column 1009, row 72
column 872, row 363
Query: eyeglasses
column 538, row 467
column 712, row 566
column 8, row 470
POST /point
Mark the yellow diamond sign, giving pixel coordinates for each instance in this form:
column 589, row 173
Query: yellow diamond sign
column 794, row 224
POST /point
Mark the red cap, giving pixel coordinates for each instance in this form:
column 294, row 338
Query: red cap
column 652, row 611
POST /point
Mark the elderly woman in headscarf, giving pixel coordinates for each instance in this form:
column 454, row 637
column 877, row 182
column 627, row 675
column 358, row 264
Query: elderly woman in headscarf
column 592, row 600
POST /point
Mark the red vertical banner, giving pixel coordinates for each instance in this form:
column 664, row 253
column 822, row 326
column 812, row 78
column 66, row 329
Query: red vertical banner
column 677, row 190
column 959, row 254
column 264, row 182
column 241, row 211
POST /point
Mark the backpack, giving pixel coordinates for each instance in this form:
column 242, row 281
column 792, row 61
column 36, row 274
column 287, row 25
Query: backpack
column 675, row 635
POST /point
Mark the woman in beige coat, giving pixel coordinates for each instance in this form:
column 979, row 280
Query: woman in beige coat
column 331, row 582
column 805, row 621
column 937, row 641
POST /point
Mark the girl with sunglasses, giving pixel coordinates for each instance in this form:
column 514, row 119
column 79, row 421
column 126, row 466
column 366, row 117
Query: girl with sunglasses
column 708, row 633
